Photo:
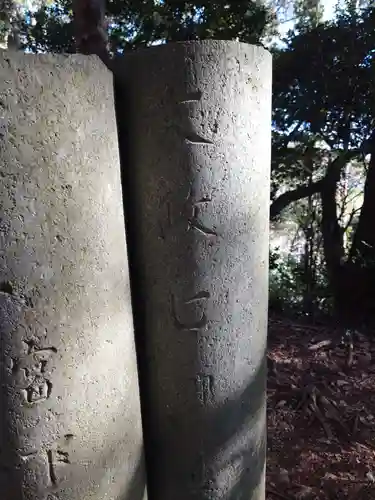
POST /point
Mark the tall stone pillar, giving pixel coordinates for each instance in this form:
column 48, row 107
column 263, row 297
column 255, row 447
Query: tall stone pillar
column 70, row 426
column 199, row 140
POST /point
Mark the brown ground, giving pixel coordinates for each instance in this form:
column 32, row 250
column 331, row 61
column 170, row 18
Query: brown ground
column 321, row 413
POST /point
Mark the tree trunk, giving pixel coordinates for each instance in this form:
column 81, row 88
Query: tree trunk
column 90, row 28
column 300, row 192
column 352, row 283
column 308, row 257
column 362, row 254
column 363, row 248
column 332, row 235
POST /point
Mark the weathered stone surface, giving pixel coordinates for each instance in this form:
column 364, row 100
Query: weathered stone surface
column 70, row 414
column 198, row 198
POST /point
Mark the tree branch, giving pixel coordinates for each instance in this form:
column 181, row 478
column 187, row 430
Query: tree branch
column 332, row 174
column 285, row 199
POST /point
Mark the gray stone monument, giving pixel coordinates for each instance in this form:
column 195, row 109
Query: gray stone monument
column 198, row 145
column 70, row 426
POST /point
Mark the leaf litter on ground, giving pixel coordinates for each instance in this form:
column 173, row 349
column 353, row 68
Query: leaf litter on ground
column 321, row 412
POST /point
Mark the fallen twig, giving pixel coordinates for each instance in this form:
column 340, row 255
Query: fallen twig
column 320, row 345
column 349, row 359
column 320, row 417
column 332, row 412
column 355, row 425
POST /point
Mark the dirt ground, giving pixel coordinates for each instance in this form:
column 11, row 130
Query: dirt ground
column 321, row 413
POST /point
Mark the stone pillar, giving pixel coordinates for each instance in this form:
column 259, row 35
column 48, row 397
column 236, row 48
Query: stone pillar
column 70, row 425
column 199, row 142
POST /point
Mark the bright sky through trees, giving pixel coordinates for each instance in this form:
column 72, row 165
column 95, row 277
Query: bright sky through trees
column 329, row 11
column 329, row 8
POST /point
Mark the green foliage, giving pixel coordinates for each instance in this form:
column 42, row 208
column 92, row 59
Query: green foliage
column 50, row 28
column 308, row 13
column 290, row 286
column 285, row 290
column 323, row 117
column 323, row 80
column 140, row 23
